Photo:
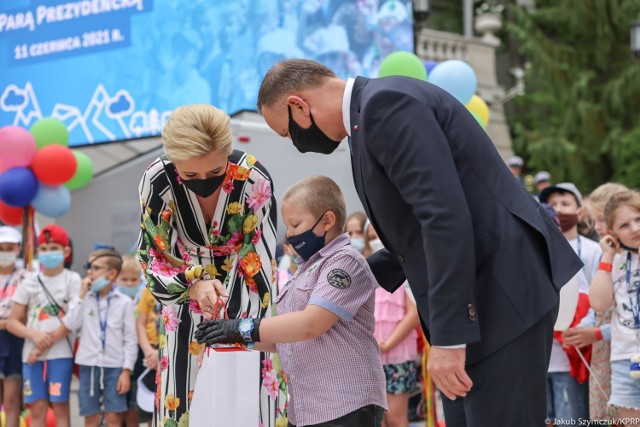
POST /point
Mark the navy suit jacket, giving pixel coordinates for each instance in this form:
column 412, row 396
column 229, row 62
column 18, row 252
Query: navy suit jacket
column 483, row 260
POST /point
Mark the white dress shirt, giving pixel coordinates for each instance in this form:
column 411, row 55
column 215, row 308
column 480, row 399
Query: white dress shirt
column 120, row 346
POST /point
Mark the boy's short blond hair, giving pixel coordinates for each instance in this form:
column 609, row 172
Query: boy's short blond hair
column 196, row 130
column 131, row 263
column 111, row 258
column 318, row 194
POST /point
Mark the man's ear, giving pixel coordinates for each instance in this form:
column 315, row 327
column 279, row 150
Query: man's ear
column 297, row 103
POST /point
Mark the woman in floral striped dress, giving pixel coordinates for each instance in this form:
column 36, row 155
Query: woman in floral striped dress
column 208, row 215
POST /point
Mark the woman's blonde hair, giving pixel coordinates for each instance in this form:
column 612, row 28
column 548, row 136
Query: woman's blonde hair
column 196, row 130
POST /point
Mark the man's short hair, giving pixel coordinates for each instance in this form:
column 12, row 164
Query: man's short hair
column 319, row 194
column 291, row 75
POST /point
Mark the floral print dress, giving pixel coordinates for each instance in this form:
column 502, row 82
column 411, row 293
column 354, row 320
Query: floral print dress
column 176, row 247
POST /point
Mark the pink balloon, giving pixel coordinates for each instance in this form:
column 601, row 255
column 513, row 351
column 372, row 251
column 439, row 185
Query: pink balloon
column 17, row 147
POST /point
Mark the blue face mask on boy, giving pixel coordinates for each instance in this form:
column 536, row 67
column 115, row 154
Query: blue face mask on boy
column 99, row 283
column 51, row 259
column 307, row 244
column 130, row 291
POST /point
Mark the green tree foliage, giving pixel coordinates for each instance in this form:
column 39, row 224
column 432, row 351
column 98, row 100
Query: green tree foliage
column 580, row 116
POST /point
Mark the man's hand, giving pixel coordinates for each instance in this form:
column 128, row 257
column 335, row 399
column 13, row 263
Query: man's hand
column 42, row 340
column 446, row 366
column 224, row 332
column 579, row 337
column 124, row 382
column 206, row 293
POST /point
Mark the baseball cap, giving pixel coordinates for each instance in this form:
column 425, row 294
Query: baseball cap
column 563, row 187
column 516, row 161
column 10, row 235
column 53, row 233
column 542, row 176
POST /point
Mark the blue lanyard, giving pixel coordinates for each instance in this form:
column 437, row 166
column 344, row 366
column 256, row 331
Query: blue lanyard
column 580, row 248
column 635, row 308
column 103, row 323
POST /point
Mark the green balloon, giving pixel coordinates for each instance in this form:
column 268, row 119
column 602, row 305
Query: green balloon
column 48, row 131
column 84, row 172
column 479, row 120
column 402, row 63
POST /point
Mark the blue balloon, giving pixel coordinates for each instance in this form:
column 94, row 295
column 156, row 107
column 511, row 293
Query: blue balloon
column 18, row 187
column 429, row 65
column 52, row 201
column 456, row 77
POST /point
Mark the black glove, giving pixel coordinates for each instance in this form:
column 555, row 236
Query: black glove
column 225, row 332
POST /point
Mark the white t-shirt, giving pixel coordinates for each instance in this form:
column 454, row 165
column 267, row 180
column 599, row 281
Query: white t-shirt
column 625, row 323
column 590, row 254
column 41, row 310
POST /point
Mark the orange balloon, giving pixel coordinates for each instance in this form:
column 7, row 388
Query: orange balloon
column 54, row 164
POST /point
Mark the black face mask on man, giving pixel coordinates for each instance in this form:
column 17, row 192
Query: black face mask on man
column 204, row 187
column 310, row 139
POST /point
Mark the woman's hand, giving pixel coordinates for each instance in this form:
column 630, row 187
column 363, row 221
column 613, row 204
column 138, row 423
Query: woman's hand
column 206, row 292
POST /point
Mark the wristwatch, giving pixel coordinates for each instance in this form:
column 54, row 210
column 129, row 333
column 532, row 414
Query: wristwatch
column 245, row 327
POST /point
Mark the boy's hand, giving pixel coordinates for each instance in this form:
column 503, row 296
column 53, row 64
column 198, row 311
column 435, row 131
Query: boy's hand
column 34, row 356
column 224, row 332
column 579, row 337
column 151, row 359
column 124, row 382
column 42, row 340
column 85, row 287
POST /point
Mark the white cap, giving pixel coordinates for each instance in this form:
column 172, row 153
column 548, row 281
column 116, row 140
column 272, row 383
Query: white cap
column 280, row 42
column 567, row 187
column 516, row 161
column 542, row 176
column 392, row 9
column 10, row 235
column 326, row 40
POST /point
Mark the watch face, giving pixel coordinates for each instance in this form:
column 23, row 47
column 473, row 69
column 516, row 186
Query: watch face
column 245, row 326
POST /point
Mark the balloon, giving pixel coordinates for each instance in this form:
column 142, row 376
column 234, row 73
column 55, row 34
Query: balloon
column 480, row 108
column 47, row 131
column 429, row 65
column 10, row 215
column 52, row 201
column 18, row 187
column 478, row 119
column 17, row 147
column 456, row 77
column 403, row 63
column 84, row 172
column 54, row 164
column 569, row 295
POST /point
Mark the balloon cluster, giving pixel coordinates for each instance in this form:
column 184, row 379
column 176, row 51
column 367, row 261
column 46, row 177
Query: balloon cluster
column 37, row 170
column 455, row 76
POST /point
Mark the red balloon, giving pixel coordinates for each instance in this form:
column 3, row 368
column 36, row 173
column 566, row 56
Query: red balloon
column 54, row 164
column 10, row 215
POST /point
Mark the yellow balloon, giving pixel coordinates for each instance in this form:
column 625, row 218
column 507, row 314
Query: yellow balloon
column 479, row 107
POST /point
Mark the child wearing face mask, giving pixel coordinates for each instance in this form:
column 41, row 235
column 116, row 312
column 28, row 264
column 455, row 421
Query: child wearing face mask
column 108, row 347
column 130, row 283
column 567, row 378
column 40, row 305
column 324, row 328
column 617, row 285
column 396, row 320
column 10, row 345
column 355, row 228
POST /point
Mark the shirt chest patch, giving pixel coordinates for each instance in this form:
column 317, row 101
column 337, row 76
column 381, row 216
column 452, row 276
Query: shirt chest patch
column 339, row 278
column 312, row 268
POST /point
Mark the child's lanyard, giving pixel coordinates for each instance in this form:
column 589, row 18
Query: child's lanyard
column 103, row 323
column 580, row 248
column 635, row 308
column 6, row 284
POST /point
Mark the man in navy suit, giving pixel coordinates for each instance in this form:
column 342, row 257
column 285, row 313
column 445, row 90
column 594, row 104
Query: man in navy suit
column 484, row 261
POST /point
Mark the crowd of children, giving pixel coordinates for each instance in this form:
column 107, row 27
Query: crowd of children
column 106, row 323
